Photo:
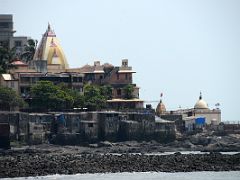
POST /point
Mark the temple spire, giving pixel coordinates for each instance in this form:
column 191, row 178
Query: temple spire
column 50, row 50
column 200, row 97
column 49, row 27
column 161, row 95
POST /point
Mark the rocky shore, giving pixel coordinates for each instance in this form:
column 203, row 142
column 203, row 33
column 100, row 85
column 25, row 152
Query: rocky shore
column 132, row 156
column 29, row 162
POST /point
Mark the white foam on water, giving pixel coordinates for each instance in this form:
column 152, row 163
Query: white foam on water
column 204, row 175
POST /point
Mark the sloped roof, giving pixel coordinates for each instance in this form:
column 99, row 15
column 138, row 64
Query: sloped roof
column 7, row 77
column 125, row 100
column 87, row 69
column 18, row 62
column 160, row 120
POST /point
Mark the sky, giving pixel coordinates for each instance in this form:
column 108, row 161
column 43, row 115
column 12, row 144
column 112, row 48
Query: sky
column 177, row 47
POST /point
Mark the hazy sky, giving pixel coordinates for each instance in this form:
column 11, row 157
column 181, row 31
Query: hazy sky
column 178, row 47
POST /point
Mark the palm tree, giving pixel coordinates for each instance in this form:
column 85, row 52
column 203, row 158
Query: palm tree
column 29, row 50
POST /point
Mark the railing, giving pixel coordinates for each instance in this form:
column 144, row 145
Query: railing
column 231, row 122
column 139, row 111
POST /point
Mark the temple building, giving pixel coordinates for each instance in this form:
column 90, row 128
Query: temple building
column 50, row 63
column 50, row 50
column 199, row 111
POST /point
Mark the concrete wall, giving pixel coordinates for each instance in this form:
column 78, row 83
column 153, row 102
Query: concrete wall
column 210, row 116
column 82, row 127
column 4, row 136
column 108, row 126
column 165, row 132
column 88, row 131
column 129, row 130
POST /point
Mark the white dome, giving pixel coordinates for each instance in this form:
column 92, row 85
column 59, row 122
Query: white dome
column 201, row 104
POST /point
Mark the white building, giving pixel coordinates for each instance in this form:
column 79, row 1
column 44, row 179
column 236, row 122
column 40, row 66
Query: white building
column 201, row 109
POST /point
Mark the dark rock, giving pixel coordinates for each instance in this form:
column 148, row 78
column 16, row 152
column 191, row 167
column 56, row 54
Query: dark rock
column 36, row 164
column 105, row 144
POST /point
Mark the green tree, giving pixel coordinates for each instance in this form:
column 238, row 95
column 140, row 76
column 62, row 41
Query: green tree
column 79, row 101
column 128, row 91
column 47, row 96
column 93, row 98
column 29, row 50
column 6, row 58
column 106, row 91
column 9, row 99
column 78, row 97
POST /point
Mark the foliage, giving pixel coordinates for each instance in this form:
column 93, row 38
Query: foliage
column 9, row 99
column 128, row 91
column 106, row 91
column 79, row 101
column 78, row 97
column 29, row 50
column 47, row 96
column 94, row 100
column 6, row 58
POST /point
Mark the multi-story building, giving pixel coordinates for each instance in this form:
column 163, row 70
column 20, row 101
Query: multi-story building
column 118, row 77
column 7, row 38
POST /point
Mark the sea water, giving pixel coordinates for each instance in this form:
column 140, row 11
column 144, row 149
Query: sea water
column 205, row 175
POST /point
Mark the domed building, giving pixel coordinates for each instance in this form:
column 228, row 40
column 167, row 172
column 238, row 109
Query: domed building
column 201, row 109
column 201, row 104
column 49, row 49
column 161, row 109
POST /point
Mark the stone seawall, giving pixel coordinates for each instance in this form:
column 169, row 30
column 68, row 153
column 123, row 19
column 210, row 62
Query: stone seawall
column 72, row 128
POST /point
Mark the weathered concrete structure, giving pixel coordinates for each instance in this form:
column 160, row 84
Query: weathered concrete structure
column 77, row 128
column 4, row 135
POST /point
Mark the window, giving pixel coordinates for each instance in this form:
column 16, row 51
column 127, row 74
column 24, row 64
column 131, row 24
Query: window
column 4, row 25
column 90, row 124
column 77, row 79
column 4, row 44
column 12, row 84
column 126, row 76
column 18, row 43
column 117, row 76
column 25, row 79
column 80, row 79
column 119, row 92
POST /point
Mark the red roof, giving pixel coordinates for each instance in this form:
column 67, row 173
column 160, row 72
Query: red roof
column 18, row 63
